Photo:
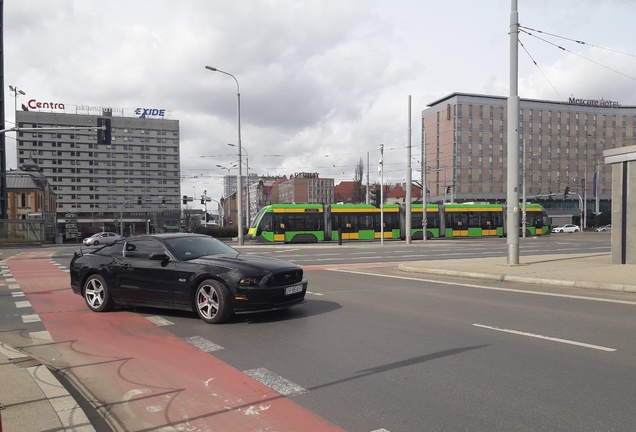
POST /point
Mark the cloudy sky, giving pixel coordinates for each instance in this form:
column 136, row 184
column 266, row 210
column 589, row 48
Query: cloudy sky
column 322, row 82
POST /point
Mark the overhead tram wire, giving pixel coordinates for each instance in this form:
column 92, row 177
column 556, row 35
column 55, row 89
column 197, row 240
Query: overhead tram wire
column 576, row 41
column 578, row 55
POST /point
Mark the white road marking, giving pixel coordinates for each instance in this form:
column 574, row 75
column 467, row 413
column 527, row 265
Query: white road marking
column 22, row 304
column 10, row 352
column 160, row 321
column 41, row 336
column 547, row 294
column 17, row 294
column 275, row 382
column 314, row 293
column 380, row 430
column 30, row 318
column 565, row 341
column 14, row 286
column 203, row 344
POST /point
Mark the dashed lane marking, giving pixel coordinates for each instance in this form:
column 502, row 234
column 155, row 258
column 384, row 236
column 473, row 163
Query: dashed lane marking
column 22, row 304
column 275, row 382
column 203, row 344
column 159, row 321
column 31, row 318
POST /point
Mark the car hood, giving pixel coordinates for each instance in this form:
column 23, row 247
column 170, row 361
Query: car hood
column 246, row 262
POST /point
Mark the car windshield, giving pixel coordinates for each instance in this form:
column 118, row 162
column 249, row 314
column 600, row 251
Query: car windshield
column 188, row 248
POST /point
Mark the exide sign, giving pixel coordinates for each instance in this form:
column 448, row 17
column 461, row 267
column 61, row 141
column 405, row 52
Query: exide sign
column 33, row 104
column 150, row 112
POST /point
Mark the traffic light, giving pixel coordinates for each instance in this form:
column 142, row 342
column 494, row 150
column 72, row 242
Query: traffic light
column 185, row 199
column 139, row 200
column 448, row 188
column 202, row 200
column 103, row 135
column 374, row 197
column 163, row 200
column 566, row 193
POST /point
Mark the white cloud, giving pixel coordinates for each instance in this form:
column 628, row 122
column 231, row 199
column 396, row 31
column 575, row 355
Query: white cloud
column 316, row 77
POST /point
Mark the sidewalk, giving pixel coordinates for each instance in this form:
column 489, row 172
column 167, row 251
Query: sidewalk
column 34, row 399
column 593, row 271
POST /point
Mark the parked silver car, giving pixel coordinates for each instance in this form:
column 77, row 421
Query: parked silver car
column 604, row 228
column 101, row 238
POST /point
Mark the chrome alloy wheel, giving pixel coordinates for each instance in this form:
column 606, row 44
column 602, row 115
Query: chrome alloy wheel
column 95, row 293
column 207, row 302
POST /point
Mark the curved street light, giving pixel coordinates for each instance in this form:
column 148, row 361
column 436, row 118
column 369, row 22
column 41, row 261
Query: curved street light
column 239, row 183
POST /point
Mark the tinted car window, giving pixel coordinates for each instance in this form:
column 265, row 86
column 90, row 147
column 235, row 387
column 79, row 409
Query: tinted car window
column 187, row 248
column 143, row 248
column 116, row 249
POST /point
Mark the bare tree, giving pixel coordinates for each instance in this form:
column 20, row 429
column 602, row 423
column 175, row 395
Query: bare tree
column 358, row 189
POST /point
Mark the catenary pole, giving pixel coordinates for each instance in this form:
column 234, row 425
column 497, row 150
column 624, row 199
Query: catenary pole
column 409, row 199
column 512, row 202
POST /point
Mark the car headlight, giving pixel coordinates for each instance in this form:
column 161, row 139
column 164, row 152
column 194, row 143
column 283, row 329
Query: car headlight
column 250, row 280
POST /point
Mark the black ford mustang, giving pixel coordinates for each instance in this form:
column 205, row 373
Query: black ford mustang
column 190, row 272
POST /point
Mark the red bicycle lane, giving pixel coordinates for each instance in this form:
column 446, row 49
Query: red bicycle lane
column 141, row 377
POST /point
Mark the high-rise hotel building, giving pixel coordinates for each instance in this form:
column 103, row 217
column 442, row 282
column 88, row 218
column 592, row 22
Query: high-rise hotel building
column 466, row 148
column 137, row 174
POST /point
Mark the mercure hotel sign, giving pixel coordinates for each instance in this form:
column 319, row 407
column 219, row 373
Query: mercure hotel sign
column 598, row 103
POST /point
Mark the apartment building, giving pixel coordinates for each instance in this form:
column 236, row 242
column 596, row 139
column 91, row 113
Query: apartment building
column 136, row 176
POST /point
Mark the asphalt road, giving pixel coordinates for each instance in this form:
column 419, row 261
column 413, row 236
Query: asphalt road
column 375, row 349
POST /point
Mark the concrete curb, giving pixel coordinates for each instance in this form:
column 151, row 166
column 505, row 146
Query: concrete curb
column 67, row 412
column 522, row 279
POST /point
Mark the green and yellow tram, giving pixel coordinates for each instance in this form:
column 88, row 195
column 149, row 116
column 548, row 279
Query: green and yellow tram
column 311, row 223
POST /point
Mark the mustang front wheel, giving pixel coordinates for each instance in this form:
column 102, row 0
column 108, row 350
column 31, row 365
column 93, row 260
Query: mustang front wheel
column 97, row 295
column 212, row 302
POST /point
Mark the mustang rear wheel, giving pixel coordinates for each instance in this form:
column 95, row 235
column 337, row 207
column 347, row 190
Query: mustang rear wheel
column 212, row 302
column 97, row 295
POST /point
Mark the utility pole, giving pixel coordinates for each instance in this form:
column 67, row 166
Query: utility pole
column 409, row 199
column 512, row 204
column 381, row 169
column 424, row 197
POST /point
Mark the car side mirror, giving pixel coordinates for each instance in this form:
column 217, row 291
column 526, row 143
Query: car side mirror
column 158, row 257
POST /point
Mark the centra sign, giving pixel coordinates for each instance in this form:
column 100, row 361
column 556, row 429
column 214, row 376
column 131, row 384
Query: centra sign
column 599, row 103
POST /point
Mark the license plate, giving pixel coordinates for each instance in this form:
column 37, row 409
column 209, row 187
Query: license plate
column 293, row 289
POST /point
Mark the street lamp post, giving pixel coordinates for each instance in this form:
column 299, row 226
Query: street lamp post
column 247, row 185
column 239, row 184
column 16, row 93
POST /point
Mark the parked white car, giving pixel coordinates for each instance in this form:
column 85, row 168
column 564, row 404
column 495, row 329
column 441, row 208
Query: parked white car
column 101, row 238
column 567, row 228
column 604, row 228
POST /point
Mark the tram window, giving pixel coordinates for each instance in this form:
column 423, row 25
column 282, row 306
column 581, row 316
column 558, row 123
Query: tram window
column 497, row 219
column 295, row 222
column 266, row 222
column 474, row 220
column 416, row 220
column 456, row 221
column 432, row 220
column 366, row 222
column 391, row 221
column 279, row 223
